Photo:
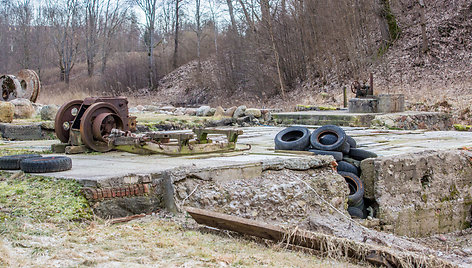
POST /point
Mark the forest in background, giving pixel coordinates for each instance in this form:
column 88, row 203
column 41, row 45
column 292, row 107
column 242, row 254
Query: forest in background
column 202, row 51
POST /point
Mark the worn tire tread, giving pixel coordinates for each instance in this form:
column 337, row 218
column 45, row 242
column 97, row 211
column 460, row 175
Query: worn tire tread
column 46, row 164
column 12, row 162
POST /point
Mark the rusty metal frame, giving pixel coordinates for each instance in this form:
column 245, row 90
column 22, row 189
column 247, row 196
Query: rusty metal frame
column 177, row 142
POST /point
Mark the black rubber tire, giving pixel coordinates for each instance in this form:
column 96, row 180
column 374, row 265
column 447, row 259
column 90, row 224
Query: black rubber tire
column 12, row 162
column 356, row 188
column 353, row 162
column 355, row 212
column 351, row 141
column 347, row 167
column 328, row 139
column 293, row 138
column 338, row 156
column 360, row 205
column 360, row 154
column 324, row 130
column 46, row 164
column 345, row 148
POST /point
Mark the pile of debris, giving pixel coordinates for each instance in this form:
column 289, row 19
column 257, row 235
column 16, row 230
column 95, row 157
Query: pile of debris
column 332, row 140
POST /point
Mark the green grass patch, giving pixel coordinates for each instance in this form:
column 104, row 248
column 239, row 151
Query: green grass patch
column 14, row 151
column 460, row 127
column 40, row 199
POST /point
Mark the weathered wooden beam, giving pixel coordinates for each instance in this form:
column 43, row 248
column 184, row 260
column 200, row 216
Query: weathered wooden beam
column 317, row 241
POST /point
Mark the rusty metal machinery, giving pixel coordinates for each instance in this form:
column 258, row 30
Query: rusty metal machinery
column 90, row 121
column 25, row 84
column 177, row 143
column 363, row 91
column 103, row 124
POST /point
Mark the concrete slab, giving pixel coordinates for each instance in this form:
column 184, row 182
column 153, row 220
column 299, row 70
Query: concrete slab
column 400, row 120
column 335, row 117
column 107, row 166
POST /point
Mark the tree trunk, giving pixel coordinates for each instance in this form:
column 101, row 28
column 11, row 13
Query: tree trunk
column 265, row 11
column 176, row 36
column 231, row 15
column 150, row 55
column 90, row 66
column 424, row 47
column 104, row 63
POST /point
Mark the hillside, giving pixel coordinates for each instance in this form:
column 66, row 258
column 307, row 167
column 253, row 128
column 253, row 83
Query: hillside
column 442, row 75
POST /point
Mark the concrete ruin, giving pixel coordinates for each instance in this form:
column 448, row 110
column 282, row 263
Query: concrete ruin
column 421, row 194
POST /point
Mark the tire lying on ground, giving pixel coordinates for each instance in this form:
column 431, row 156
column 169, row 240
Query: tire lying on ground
column 315, row 138
column 12, row 162
column 293, row 138
column 347, row 167
column 353, row 162
column 359, row 154
column 328, row 139
column 352, row 142
column 355, row 212
column 338, row 156
column 345, row 148
column 46, row 164
column 356, row 188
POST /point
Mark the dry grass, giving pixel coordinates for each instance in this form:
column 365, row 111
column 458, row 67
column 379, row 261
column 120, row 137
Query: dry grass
column 151, row 241
column 46, row 222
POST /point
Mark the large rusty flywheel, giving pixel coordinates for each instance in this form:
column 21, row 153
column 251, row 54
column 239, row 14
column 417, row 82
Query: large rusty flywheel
column 30, row 85
column 64, row 119
column 96, row 124
column 25, row 85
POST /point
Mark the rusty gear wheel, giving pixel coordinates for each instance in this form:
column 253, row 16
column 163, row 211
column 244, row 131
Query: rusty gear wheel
column 29, row 81
column 96, row 123
column 64, row 118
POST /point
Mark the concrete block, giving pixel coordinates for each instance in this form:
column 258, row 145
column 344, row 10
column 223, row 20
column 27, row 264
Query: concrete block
column 391, row 103
column 422, row 194
column 59, row 148
column 361, row 105
column 21, row 132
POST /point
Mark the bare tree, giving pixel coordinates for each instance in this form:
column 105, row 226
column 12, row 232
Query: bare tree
column 424, row 46
column 149, row 9
column 198, row 31
column 92, row 15
column 213, row 6
column 23, row 16
column 267, row 21
column 64, row 18
column 234, row 27
column 176, row 30
column 114, row 16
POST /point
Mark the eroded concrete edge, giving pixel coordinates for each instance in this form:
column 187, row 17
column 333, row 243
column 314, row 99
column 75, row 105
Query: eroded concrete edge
column 143, row 193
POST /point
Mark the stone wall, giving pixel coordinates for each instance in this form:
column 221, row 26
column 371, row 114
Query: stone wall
column 414, row 120
column 422, row 193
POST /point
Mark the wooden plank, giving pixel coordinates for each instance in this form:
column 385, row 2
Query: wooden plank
column 237, row 224
column 317, row 241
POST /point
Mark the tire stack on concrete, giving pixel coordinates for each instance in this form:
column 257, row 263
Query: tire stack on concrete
column 331, row 140
column 35, row 163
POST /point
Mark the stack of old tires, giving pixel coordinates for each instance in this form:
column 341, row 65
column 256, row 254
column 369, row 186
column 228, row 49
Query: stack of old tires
column 331, row 140
column 35, row 163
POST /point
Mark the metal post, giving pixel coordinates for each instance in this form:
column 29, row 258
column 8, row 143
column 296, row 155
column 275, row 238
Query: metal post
column 371, row 88
column 344, row 97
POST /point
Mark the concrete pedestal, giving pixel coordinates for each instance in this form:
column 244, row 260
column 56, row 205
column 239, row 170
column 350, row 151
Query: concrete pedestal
column 363, row 105
column 391, row 103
